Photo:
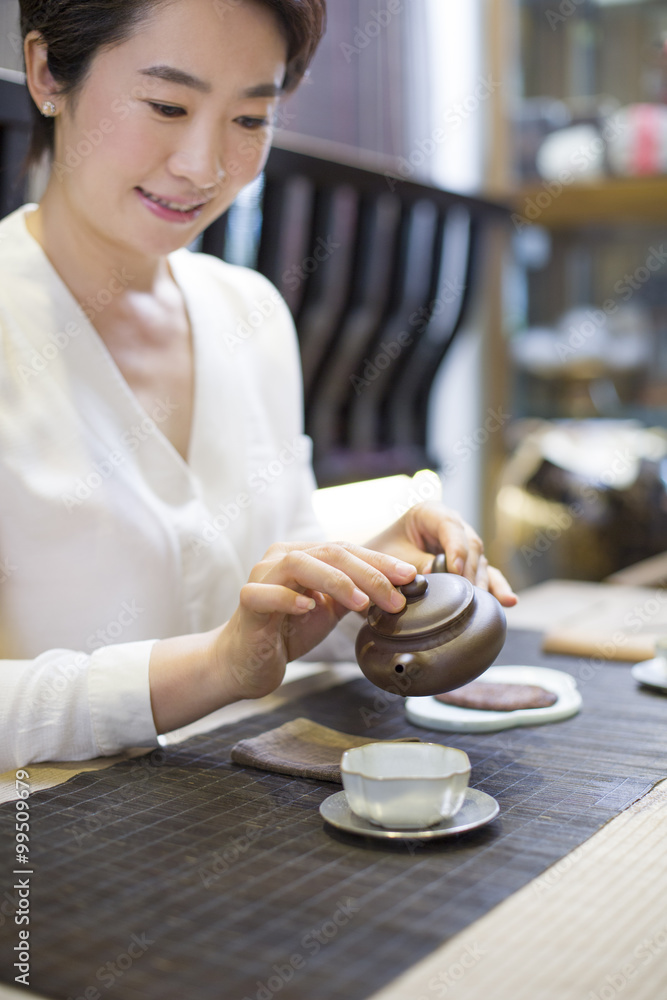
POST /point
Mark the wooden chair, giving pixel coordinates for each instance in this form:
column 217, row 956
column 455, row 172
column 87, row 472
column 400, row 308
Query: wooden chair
column 386, row 270
column 379, row 272
column 14, row 141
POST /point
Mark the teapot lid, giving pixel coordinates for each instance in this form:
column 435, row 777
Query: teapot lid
column 432, row 603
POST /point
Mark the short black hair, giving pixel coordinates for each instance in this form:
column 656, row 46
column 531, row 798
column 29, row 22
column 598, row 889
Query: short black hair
column 75, row 30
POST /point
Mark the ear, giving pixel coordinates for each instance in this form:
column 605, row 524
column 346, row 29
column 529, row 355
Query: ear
column 39, row 80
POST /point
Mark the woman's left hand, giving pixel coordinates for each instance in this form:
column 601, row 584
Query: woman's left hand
column 431, row 528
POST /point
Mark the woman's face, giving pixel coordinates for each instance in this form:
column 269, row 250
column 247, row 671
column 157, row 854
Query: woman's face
column 141, row 149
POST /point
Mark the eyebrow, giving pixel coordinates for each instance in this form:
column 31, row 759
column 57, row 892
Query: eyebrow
column 172, row 75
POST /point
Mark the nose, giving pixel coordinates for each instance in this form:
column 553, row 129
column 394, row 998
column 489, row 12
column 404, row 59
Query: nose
column 199, row 162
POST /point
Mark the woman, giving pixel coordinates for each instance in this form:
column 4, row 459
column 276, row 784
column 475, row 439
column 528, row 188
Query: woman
column 134, row 444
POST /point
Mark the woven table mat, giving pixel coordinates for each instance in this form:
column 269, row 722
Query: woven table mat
column 182, row 876
column 574, row 933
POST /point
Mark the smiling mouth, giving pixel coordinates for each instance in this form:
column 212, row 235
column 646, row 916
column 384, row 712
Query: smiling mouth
column 184, row 209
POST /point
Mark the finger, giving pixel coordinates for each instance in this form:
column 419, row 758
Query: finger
column 501, row 589
column 337, row 570
column 482, row 577
column 268, row 599
column 453, row 541
column 474, row 554
column 435, row 528
column 397, row 570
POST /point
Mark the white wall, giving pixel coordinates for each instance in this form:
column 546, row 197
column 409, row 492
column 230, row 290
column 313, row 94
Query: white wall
column 455, row 36
column 10, row 40
column 455, row 55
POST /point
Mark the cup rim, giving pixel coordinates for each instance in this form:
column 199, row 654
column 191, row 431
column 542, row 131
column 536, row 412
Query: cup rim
column 464, row 767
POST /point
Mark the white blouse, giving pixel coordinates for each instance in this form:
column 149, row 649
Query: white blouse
column 109, row 540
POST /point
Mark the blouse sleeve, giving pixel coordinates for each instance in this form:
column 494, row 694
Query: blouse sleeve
column 68, row 705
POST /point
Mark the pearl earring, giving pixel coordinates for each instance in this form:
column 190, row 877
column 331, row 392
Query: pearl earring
column 49, row 109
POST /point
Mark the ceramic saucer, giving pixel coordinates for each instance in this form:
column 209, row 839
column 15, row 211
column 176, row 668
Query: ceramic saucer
column 478, row 809
column 430, row 713
column 652, row 672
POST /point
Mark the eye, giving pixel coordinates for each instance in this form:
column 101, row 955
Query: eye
column 167, row 110
column 253, row 124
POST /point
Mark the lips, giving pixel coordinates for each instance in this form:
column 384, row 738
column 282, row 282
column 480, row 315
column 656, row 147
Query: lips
column 174, row 206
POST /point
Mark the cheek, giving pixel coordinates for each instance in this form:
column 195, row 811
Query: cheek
column 248, row 157
column 130, row 148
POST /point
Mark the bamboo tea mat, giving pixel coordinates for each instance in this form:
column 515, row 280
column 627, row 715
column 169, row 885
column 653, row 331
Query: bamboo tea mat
column 181, row 875
column 593, row 926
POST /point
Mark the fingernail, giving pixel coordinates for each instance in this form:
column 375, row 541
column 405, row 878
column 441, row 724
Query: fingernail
column 307, row 603
column 403, row 567
column 358, row 599
column 397, row 600
column 458, row 566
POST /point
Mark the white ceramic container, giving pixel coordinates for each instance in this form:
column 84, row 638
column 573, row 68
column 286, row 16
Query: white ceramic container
column 405, row 786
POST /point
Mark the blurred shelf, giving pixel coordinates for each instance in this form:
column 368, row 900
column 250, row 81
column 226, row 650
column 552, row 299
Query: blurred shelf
column 617, row 200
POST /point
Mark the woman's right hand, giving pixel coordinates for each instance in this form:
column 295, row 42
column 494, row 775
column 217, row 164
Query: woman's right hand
column 294, row 597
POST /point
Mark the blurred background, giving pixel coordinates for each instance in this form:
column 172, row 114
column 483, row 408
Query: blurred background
column 547, row 416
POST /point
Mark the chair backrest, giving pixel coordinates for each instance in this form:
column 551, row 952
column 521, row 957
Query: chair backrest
column 14, row 140
column 378, row 271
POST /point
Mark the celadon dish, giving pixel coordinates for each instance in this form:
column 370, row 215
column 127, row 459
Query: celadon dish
column 405, row 786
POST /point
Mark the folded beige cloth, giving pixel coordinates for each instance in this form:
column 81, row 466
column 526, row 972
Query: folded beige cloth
column 301, row 748
column 602, row 644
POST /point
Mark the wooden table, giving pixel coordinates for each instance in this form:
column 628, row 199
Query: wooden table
column 592, row 926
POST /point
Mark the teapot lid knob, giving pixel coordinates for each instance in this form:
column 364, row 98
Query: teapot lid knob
column 416, row 589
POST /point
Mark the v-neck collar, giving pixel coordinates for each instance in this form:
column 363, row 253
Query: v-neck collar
column 96, row 340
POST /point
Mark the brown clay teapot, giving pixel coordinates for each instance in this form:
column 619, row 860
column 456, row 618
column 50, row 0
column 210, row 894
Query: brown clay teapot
column 447, row 634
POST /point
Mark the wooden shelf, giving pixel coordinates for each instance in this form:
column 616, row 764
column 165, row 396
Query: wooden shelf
column 617, row 200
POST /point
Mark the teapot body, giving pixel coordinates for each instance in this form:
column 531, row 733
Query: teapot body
column 445, row 637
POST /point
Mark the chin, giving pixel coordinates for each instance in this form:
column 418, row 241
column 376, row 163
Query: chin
column 153, row 243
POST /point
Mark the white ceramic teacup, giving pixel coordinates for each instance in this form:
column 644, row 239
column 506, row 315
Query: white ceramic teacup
column 405, row 786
